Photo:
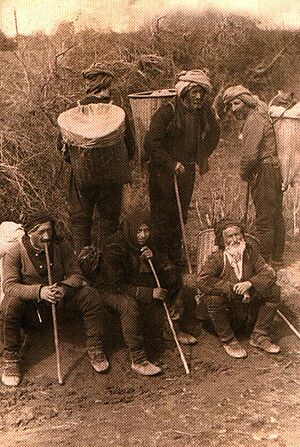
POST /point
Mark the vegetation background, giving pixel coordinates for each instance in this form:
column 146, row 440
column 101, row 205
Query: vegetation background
column 41, row 76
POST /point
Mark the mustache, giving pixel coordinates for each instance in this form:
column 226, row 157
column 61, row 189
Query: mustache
column 235, row 243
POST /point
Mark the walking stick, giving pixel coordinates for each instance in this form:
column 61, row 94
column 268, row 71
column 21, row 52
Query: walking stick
column 54, row 318
column 187, row 254
column 288, row 323
column 187, row 371
column 244, row 220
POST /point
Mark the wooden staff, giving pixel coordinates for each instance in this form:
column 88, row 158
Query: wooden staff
column 187, row 254
column 170, row 322
column 54, row 318
column 289, row 324
column 247, row 199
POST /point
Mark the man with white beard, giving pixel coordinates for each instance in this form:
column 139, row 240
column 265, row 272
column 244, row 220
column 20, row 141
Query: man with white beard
column 240, row 291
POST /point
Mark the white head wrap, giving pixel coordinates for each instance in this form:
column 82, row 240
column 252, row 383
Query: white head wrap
column 191, row 78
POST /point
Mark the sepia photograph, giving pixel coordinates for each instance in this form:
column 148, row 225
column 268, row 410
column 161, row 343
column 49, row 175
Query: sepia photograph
column 150, row 223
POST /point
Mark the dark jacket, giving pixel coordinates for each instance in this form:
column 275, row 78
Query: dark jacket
column 127, row 272
column 171, row 134
column 255, row 270
column 258, row 142
column 24, row 277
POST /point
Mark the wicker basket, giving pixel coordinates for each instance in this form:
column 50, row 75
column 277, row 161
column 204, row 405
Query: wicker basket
column 143, row 106
column 287, row 129
column 92, row 125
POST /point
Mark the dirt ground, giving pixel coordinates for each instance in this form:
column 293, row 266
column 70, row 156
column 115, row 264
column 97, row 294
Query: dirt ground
column 223, row 402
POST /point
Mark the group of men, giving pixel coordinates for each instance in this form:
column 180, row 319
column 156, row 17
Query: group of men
column 237, row 283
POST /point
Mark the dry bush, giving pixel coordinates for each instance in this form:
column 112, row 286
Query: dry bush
column 43, row 76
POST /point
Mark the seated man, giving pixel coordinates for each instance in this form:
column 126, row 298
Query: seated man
column 237, row 282
column 28, row 297
column 132, row 288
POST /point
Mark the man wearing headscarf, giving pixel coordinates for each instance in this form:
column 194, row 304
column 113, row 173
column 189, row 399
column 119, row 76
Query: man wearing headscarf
column 105, row 196
column 260, row 168
column 239, row 290
column 131, row 290
column 28, row 296
column 183, row 133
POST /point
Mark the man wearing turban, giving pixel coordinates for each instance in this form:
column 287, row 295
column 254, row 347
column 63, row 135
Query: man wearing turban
column 96, row 192
column 239, row 291
column 28, row 296
column 260, row 168
column 182, row 134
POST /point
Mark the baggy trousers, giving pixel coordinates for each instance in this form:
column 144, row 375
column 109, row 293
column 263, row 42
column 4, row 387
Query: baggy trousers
column 22, row 314
column 128, row 310
column 164, row 208
column 107, row 200
column 267, row 198
column 224, row 312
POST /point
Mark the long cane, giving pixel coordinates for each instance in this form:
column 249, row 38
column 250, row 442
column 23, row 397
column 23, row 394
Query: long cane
column 288, row 323
column 245, row 216
column 54, row 318
column 170, row 322
column 187, row 254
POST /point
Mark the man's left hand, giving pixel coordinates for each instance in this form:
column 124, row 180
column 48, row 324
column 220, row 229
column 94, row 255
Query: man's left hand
column 241, row 287
column 146, row 253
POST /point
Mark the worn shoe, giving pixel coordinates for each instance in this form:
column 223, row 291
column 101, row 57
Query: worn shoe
column 264, row 342
column 186, row 339
column 98, row 360
column 145, row 368
column 11, row 375
column 234, row 349
column 183, row 338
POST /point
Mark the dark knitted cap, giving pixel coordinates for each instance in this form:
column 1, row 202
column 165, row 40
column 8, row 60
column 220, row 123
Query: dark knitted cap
column 97, row 78
column 221, row 225
column 31, row 219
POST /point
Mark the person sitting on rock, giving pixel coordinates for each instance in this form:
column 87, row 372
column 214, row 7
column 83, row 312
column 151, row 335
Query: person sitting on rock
column 28, row 296
column 239, row 290
column 132, row 290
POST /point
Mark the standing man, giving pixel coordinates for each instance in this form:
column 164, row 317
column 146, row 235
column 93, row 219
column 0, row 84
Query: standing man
column 240, row 291
column 260, row 168
column 104, row 195
column 28, row 297
column 182, row 133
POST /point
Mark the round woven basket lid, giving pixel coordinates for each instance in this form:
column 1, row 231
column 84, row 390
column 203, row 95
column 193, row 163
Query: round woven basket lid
column 92, row 120
column 153, row 94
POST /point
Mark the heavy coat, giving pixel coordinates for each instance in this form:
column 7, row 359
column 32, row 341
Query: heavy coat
column 22, row 278
column 166, row 139
column 255, row 270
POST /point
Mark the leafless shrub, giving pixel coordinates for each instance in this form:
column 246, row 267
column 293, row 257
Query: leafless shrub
column 42, row 77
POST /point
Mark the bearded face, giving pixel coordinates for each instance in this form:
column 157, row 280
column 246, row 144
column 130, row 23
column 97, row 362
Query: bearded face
column 234, row 242
column 239, row 109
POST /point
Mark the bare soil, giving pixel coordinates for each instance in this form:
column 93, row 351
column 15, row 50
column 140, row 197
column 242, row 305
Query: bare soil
column 223, row 402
